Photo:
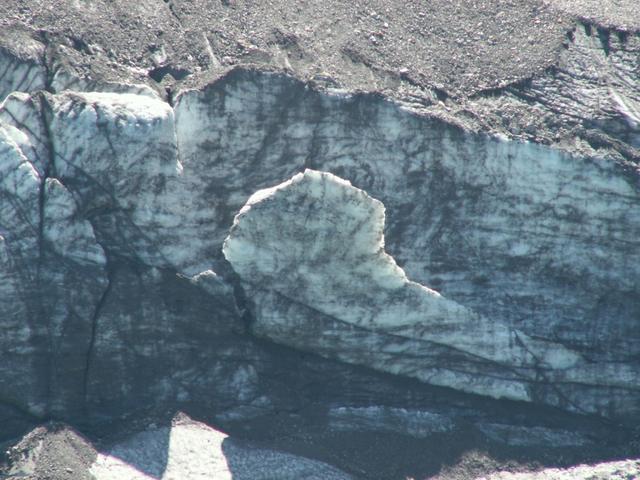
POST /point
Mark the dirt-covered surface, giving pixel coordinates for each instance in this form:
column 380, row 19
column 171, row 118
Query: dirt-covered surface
column 622, row 15
column 51, row 452
column 404, row 48
column 457, row 47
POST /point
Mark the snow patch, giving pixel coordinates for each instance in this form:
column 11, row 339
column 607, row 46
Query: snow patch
column 192, row 450
column 619, row 470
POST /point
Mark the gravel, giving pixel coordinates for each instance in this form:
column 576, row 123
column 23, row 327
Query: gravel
column 405, row 47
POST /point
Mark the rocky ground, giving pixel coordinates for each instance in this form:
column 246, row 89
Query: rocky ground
column 462, row 47
column 459, row 47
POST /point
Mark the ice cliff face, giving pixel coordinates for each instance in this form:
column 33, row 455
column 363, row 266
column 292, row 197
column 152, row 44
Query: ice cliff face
column 88, row 214
column 115, row 208
column 116, row 198
column 311, row 255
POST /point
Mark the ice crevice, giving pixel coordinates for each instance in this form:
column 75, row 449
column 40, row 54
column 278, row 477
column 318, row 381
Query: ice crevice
column 48, row 168
column 94, row 324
